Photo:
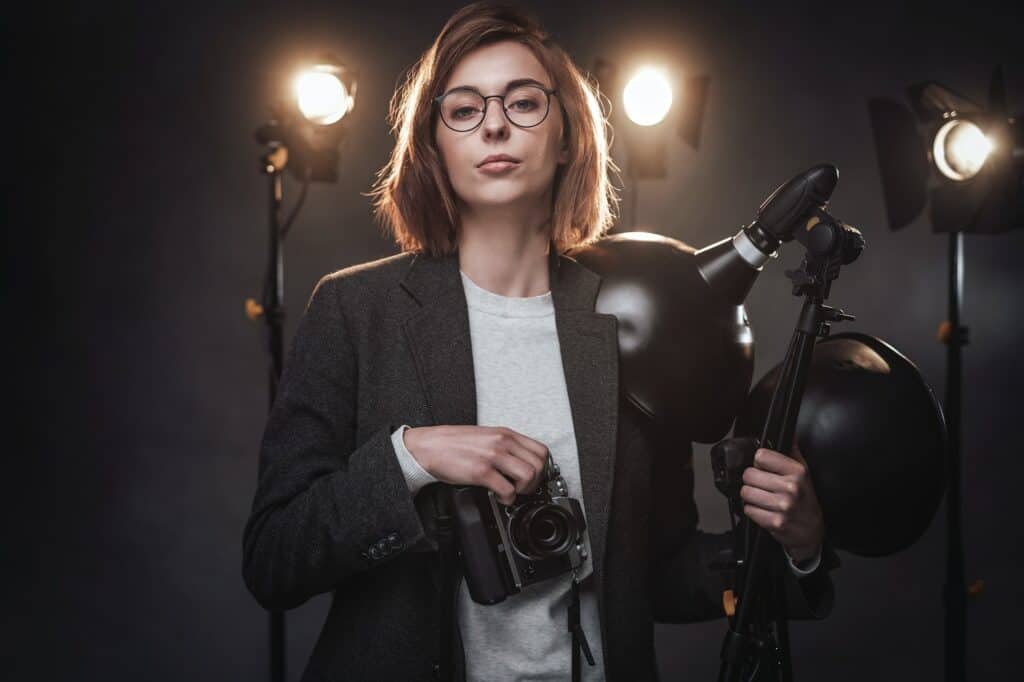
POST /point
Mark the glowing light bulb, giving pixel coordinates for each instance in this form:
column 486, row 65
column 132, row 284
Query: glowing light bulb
column 321, row 96
column 960, row 149
column 647, row 97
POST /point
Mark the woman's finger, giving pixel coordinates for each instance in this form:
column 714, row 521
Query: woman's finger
column 776, row 462
column 494, row 481
column 768, row 481
column 515, row 469
column 764, row 499
column 769, row 520
column 534, row 446
column 531, row 459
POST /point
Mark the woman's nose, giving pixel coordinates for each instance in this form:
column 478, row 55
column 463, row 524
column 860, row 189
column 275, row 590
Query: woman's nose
column 495, row 124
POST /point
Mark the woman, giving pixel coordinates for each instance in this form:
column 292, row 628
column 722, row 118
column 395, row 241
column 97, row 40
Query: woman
column 471, row 358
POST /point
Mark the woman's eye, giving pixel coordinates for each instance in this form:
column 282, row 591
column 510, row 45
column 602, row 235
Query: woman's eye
column 524, row 105
column 464, row 112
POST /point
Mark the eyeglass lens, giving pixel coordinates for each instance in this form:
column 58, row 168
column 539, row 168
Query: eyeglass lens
column 525, row 106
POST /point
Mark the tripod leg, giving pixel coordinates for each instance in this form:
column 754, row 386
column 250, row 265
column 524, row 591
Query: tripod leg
column 784, row 663
column 784, row 660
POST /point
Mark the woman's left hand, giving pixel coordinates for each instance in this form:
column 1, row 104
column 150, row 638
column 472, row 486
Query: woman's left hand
column 780, row 498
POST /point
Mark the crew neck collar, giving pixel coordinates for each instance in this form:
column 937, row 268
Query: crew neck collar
column 505, row 306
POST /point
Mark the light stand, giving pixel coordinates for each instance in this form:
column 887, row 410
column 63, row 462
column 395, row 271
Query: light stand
column 955, row 337
column 974, row 186
column 304, row 138
column 758, row 634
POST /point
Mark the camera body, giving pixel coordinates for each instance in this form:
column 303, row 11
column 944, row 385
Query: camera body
column 506, row 548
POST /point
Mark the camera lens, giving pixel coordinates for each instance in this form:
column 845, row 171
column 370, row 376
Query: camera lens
column 545, row 531
column 542, row 530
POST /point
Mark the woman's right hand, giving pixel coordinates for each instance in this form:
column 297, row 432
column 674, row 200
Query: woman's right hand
column 493, row 457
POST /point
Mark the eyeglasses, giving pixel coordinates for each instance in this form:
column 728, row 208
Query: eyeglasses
column 463, row 109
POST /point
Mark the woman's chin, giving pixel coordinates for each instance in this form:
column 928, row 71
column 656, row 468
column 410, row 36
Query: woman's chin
column 499, row 197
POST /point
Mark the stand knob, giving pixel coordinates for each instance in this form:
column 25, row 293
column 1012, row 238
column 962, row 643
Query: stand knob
column 253, row 310
column 729, row 602
column 946, row 334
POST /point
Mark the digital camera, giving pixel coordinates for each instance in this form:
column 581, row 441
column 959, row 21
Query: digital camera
column 506, row 548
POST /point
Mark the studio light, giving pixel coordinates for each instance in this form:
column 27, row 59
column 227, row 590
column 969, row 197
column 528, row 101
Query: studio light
column 943, row 151
column 960, row 149
column 321, row 94
column 967, row 162
column 309, row 122
column 647, row 96
column 656, row 99
column 303, row 136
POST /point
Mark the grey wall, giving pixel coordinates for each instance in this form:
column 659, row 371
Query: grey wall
column 136, row 228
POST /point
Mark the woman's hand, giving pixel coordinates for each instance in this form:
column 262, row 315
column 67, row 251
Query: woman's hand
column 493, row 457
column 780, row 498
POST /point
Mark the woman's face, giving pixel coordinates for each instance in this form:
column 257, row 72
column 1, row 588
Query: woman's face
column 488, row 70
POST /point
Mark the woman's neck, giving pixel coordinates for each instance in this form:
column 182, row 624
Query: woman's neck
column 505, row 253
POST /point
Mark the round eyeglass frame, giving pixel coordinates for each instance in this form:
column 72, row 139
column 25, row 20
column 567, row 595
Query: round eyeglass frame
column 547, row 93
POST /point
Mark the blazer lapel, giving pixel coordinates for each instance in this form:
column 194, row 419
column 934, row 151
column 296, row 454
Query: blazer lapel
column 590, row 359
column 439, row 339
column 438, row 336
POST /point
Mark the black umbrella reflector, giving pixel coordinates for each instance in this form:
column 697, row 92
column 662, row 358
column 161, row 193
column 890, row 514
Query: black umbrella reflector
column 874, row 438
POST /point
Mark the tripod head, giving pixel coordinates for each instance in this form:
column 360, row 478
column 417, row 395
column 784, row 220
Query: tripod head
column 797, row 211
column 790, row 206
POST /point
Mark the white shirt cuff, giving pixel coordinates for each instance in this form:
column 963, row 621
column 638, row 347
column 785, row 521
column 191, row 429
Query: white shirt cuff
column 811, row 567
column 415, row 475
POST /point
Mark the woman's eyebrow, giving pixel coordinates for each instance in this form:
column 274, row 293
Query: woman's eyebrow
column 508, row 86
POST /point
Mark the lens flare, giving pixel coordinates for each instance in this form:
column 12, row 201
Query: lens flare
column 321, row 96
column 647, row 97
column 960, row 149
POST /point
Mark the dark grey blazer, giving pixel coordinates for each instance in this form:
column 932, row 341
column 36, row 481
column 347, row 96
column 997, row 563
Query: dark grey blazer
column 386, row 343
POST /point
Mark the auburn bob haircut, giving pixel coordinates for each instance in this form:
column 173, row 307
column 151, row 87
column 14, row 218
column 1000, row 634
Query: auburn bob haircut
column 413, row 198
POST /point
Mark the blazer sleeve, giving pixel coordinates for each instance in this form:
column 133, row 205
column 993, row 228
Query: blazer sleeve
column 325, row 506
column 686, row 585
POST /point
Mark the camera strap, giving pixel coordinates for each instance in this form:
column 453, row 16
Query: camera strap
column 579, row 638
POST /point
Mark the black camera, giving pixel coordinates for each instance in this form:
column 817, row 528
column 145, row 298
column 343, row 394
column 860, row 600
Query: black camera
column 506, row 548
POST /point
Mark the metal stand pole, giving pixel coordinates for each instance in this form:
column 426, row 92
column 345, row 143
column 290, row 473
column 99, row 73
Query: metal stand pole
column 314, row 163
column 751, row 640
column 956, row 590
column 273, row 314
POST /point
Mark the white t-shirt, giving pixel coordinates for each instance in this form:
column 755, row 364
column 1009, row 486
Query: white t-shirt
column 520, row 384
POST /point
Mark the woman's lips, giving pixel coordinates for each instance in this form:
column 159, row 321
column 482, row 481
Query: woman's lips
column 497, row 167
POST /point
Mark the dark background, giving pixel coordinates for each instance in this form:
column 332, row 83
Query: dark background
column 136, row 228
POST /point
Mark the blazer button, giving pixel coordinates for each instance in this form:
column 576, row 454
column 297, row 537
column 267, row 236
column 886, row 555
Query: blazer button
column 375, row 553
column 382, row 547
column 395, row 542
